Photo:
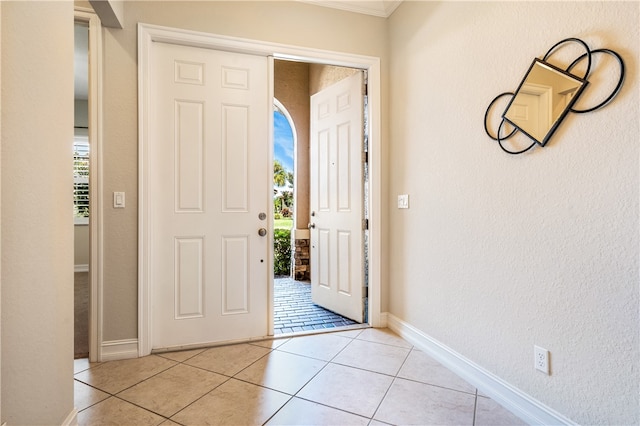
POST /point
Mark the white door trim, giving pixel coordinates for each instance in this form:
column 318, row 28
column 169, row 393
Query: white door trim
column 96, row 229
column 147, row 34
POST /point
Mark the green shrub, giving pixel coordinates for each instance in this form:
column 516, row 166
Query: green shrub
column 282, row 252
column 277, row 216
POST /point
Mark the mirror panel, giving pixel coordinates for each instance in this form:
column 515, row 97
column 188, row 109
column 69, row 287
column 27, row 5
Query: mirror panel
column 543, row 98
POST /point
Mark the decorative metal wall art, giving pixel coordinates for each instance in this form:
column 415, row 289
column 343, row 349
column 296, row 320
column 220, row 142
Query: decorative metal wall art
column 545, row 96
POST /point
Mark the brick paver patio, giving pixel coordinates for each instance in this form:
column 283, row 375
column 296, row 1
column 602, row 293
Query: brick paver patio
column 294, row 310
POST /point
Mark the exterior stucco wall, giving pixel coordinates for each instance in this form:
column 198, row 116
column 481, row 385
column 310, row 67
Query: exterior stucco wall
column 322, row 76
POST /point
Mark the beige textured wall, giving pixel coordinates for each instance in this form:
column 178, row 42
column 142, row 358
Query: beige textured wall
column 497, row 253
column 1, row 417
column 81, row 245
column 37, row 224
column 286, row 22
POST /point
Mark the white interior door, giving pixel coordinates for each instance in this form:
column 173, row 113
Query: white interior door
column 208, row 185
column 527, row 114
column 336, row 197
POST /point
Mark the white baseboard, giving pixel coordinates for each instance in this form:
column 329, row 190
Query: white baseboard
column 118, row 349
column 81, row 268
column 519, row 403
column 72, row 418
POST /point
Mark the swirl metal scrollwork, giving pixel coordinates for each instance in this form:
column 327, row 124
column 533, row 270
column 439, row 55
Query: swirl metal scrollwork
column 543, row 69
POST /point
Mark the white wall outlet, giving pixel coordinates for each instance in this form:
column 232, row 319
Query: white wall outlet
column 541, row 359
column 403, row 201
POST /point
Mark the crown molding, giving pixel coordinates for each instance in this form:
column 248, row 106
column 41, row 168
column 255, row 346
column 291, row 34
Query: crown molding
column 381, row 8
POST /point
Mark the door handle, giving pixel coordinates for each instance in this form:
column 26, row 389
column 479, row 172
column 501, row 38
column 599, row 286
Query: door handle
column 311, row 225
column 262, row 232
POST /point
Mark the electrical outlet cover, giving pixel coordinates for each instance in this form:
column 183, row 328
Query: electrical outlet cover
column 541, row 359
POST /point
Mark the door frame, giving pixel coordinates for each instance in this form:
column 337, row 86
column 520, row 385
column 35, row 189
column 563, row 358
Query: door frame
column 89, row 17
column 148, row 34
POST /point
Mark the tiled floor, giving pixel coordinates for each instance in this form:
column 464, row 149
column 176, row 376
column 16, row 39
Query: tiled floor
column 356, row 377
column 294, row 311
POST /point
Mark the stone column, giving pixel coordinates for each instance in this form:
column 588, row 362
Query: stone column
column 301, row 255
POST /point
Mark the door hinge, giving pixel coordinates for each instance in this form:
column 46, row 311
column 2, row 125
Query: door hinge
column 365, row 157
column 365, row 224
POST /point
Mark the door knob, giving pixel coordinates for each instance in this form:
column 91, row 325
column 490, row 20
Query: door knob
column 262, row 232
column 311, row 225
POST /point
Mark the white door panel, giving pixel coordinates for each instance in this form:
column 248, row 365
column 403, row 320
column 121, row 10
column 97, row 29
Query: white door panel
column 208, row 183
column 336, row 197
column 526, row 111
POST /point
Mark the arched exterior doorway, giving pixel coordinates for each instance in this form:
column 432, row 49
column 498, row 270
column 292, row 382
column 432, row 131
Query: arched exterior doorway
column 294, row 83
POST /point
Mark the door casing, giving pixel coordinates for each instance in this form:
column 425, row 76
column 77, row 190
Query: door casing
column 148, row 34
column 89, row 17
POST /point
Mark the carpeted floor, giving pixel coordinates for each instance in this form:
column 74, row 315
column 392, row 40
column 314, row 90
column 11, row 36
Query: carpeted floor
column 81, row 315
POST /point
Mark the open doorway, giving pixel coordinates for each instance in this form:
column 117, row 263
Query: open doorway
column 87, row 189
column 294, row 310
column 284, row 141
column 81, row 209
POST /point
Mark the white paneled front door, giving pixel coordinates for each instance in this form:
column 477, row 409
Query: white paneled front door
column 209, row 195
column 336, row 197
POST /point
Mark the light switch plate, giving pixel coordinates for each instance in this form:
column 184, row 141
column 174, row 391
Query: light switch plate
column 403, row 201
column 118, row 200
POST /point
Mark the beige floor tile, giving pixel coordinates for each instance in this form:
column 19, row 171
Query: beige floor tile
column 301, row 412
column 352, row 334
column 181, row 356
column 422, row 368
column 490, row 413
column 228, row 360
column 81, row 364
column 410, row 402
column 173, row 389
column 114, row 411
column 319, row 346
column 270, row 343
column 282, row 371
column 85, row 396
column 372, row 356
column 383, row 335
column 115, row 376
column 346, row 388
column 233, row 403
